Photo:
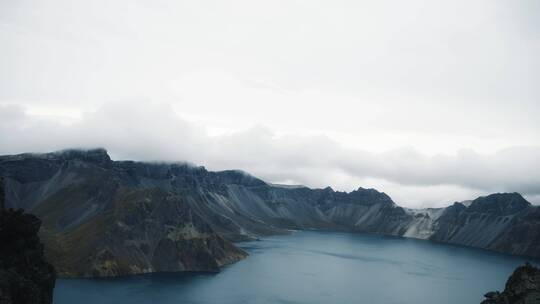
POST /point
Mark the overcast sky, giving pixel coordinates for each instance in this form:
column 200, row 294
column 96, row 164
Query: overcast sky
column 429, row 101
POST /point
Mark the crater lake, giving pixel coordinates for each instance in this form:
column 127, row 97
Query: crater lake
column 317, row 267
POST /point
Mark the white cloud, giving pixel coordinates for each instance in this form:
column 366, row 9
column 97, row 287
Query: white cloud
column 150, row 131
column 426, row 98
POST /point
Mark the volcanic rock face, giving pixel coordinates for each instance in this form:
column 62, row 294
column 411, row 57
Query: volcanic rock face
column 140, row 231
column 523, row 287
column 102, row 218
column 107, row 218
column 25, row 277
column 503, row 222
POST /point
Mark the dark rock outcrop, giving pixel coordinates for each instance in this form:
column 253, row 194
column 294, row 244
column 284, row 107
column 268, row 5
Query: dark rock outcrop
column 2, row 194
column 523, row 287
column 25, row 276
column 106, row 218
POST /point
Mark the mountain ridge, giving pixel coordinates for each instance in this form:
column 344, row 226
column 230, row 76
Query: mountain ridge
column 78, row 192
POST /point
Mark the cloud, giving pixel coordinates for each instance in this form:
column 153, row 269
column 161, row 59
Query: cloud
column 354, row 67
column 147, row 131
column 343, row 93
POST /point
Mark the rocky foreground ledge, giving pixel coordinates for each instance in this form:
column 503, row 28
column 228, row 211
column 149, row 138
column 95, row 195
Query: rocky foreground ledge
column 523, row 287
column 25, row 276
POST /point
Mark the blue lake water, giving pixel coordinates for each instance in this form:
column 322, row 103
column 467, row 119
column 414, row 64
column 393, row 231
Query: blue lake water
column 317, row 267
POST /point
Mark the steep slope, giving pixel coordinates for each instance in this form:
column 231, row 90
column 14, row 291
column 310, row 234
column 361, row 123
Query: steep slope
column 103, row 217
column 503, row 222
column 98, row 220
column 141, row 231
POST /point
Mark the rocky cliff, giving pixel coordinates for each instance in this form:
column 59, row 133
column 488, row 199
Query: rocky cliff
column 523, row 287
column 25, row 277
column 104, row 218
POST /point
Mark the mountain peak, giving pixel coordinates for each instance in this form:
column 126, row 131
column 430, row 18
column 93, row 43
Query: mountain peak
column 500, row 203
column 370, row 196
column 75, row 153
column 96, row 155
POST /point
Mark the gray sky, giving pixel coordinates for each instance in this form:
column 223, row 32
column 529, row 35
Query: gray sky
column 429, row 101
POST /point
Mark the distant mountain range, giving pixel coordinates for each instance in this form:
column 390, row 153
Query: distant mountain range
column 108, row 218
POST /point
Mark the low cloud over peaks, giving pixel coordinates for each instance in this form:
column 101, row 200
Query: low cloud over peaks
column 154, row 132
